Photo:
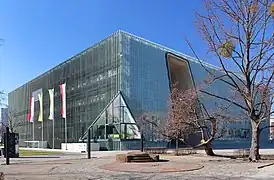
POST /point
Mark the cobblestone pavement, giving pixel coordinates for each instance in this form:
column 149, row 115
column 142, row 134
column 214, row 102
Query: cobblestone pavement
column 78, row 167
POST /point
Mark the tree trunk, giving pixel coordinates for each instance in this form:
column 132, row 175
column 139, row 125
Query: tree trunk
column 176, row 147
column 254, row 155
column 208, row 149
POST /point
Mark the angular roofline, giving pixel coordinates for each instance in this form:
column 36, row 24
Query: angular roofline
column 164, row 48
column 98, row 116
column 71, row 58
column 156, row 45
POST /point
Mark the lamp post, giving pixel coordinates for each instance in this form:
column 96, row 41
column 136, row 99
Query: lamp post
column 7, row 146
column 88, row 145
column 142, row 142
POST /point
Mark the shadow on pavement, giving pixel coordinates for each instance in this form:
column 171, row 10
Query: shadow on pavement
column 35, row 157
column 226, row 156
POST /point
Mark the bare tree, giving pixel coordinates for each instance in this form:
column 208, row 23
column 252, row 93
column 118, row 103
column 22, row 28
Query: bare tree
column 167, row 130
column 190, row 110
column 187, row 115
column 12, row 120
column 181, row 114
column 241, row 32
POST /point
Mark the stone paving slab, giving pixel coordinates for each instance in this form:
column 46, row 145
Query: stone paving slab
column 154, row 167
column 79, row 167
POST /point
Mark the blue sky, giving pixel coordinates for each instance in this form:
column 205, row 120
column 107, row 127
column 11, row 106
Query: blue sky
column 41, row 34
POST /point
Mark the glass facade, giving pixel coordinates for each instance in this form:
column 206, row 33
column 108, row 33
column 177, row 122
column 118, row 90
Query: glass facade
column 115, row 121
column 92, row 78
column 109, row 86
column 144, row 73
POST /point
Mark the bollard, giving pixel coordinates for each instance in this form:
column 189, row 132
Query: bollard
column 7, row 146
column 88, row 145
column 142, row 142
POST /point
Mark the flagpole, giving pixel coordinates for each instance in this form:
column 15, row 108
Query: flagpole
column 53, row 134
column 33, row 131
column 51, row 113
column 40, row 119
column 42, row 134
column 66, row 135
column 26, row 131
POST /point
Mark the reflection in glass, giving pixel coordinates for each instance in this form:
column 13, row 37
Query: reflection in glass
column 115, row 122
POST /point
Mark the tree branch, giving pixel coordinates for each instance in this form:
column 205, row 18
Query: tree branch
column 225, row 99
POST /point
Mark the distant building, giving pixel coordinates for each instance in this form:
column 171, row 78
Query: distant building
column 108, row 87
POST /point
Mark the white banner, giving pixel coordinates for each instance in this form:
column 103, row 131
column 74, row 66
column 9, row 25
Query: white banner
column 51, row 104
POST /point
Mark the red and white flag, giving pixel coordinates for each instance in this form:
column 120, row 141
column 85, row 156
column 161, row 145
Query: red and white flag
column 63, row 96
column 31, row 113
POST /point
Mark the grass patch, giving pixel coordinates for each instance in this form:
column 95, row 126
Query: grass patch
column 37, row 153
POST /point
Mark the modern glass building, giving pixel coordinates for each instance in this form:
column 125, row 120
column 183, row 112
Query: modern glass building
column 108, row 87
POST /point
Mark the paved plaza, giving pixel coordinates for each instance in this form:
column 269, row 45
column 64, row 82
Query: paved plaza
column 102, row 165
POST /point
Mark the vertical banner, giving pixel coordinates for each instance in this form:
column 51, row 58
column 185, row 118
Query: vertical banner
column 63, row 95
column 63, row 110
column 31, row 113
column 51, row 104
column 40, row 98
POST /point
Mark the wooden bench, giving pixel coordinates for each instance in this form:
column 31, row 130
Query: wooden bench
column 137, row 157
column 241, row 152
column 185, row 151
